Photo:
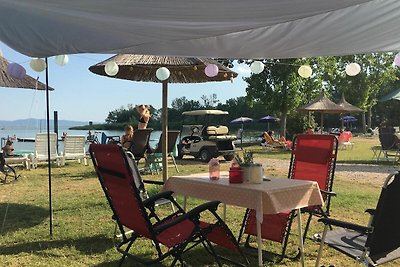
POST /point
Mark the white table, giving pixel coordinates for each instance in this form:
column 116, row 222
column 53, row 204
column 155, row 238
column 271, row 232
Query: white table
column 270, row 197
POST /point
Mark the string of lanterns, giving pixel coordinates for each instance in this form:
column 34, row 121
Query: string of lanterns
column 111, row 68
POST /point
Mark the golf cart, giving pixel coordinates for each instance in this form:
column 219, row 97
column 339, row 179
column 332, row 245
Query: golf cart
column 202, row 137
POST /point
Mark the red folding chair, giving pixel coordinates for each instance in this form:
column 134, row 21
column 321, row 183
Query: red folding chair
column 175, row 231
column 313, row 159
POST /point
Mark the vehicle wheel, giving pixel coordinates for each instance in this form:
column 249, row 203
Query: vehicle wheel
column 205, row 155
column 229, row 157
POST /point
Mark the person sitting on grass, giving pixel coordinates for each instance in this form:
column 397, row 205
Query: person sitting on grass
column 144, row 112
column 8, row 149
column 127, row 137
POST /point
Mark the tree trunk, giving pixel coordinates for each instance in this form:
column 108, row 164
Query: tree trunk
column 283, row 124
column 369, row 118
column 364, row 128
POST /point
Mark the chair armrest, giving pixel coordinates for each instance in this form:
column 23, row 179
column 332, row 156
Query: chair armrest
column 151, row 200
column 371, row 211
column 192, row 214
column 153, row 182
column 329, row 193
column 347, row 225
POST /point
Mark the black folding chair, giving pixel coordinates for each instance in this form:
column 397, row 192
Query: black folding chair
column 7, row 170
column 178, row 232
column 140, row 144
column 376, row 243
column 155, row 160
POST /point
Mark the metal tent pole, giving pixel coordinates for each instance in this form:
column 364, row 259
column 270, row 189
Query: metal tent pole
column 165, row 129
column 48, row 147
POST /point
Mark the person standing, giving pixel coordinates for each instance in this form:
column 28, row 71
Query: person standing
column 144, row 112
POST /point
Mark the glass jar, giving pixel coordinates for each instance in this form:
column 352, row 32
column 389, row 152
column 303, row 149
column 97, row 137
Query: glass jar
column 214, row 169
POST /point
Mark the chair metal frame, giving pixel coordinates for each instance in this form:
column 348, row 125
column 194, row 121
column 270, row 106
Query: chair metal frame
column 312, row 211
column 369, row 234
column 140, row 216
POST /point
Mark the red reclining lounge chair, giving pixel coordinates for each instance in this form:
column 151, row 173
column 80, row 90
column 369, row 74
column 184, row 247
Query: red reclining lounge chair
column 313, row 159
column 175, row 231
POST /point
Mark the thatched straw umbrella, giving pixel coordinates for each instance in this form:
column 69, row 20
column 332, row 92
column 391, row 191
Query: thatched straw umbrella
column 322, row 104
column 142, row 68
column 26, row 83
column 348, row 107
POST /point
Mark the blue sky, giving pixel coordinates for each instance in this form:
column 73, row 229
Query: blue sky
column 82, row 95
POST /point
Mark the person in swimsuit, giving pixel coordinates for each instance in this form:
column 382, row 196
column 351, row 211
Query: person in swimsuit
column 127, row 137
column 8, row 149
column 144, row 113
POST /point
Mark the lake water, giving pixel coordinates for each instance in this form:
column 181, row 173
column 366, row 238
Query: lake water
column 28, row 147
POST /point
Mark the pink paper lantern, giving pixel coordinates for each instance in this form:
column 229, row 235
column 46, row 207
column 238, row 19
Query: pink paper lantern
column 397, row 60
column 16, row 71
column 211, row 70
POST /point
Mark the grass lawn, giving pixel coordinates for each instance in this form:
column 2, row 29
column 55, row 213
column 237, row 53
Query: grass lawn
column 83, row 229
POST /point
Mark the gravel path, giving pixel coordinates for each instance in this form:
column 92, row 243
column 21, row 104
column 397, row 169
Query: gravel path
column 360, row 173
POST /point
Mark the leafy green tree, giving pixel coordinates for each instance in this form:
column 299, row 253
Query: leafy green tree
column 280, row 89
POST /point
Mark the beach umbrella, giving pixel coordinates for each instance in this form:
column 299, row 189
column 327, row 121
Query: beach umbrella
column 348, row 107
column 27, row 82
column 393, row 95
column 143, row 68
column 323, row 105
column 268, row 119
column 242, row 121
column 348, row 119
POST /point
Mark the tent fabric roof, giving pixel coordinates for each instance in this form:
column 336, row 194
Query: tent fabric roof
column 202, row 28
column 347, row 106
column 27, row 83
column 322, row 104
column 393, row 95
column 183, row 70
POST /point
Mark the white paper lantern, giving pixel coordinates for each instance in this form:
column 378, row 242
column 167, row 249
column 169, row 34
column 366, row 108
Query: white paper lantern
column 305, row 71
column 211, row 70
column 397, row 60
column 353, row 69
column 257, row 67
column 61, row 60
column 38, row 64
column 162, row 73
column 111, row 68
column 15, row 70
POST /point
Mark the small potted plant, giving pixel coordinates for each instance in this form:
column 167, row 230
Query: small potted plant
column 252, row 172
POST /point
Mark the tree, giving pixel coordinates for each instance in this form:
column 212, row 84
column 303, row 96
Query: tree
column 362, row 90
column 280, row 89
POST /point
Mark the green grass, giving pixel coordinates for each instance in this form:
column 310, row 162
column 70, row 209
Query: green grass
column 83, row 228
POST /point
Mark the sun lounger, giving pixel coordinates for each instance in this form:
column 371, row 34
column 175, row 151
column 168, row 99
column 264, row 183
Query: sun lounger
column 74, row 149
column 40, row 153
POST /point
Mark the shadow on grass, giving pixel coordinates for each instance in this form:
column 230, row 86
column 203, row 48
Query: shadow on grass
column 197, row 256
column 87, row 245
column 15, row 216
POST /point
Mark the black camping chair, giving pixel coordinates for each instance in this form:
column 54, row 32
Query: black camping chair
column 7, row 170
column 155, row 160
column 140, row 144
column 178, row 232
column 376, row 243
column 389, row 144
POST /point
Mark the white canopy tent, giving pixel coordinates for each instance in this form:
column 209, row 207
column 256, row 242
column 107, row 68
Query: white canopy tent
column 203, row 28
